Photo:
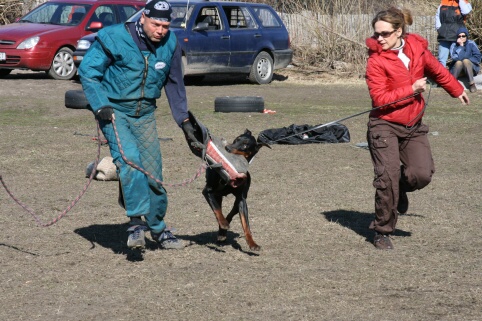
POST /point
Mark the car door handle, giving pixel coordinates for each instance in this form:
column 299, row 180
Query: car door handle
column 257, row 35
column 225, row 37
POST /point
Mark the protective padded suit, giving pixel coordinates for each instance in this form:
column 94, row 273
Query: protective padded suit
column 108, row 79
column 142, row 196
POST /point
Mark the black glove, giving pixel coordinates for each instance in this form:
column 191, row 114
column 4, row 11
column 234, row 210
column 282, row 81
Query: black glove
column 105, row 113
column 189, row 131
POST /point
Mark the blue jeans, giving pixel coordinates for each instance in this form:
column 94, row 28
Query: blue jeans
column 443, row 51
column 143, row 196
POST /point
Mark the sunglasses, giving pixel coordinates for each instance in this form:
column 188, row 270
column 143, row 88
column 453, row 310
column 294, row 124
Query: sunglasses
column 384, row 34
column 462, row 36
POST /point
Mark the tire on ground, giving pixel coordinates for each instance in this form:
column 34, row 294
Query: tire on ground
column 76, row 99
column 229, row 104
column 5, row 72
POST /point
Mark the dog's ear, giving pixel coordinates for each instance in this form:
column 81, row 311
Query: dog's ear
column 248, row 132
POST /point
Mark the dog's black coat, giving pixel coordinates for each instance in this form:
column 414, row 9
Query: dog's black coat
column 216, row 188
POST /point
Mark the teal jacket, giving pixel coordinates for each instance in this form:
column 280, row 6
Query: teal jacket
column 117, row 73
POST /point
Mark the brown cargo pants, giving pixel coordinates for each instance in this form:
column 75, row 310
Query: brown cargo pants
column 401, row 159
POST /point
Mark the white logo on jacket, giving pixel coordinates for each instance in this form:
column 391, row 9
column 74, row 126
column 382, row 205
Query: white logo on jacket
column 159, row 65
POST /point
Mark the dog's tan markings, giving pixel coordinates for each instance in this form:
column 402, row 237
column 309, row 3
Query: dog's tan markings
column 223, row 223
column 247, row 233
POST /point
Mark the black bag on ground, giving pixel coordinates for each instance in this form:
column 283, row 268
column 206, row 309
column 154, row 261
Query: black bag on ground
column 301, row 134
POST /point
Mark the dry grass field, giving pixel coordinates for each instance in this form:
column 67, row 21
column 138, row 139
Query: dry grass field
column 310, row 207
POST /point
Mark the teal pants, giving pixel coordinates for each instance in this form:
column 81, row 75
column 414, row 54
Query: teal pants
column 143, row 196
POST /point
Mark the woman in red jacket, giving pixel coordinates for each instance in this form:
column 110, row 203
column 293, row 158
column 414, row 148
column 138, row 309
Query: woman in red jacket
column 397, row 68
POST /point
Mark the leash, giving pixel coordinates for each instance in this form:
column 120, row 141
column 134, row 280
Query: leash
column 358, row 114
column 100, row 142
column 408, row 126
column 202, row 167
column 75, row 201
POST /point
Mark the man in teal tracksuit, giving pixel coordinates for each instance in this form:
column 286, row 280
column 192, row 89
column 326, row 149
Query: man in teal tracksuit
column 122, row 75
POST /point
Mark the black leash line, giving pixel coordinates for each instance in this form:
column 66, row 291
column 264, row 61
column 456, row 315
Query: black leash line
column 356, row 115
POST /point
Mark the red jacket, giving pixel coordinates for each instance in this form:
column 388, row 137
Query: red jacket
column 389, row 80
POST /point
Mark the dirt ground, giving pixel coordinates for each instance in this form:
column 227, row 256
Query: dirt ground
column 310, row 207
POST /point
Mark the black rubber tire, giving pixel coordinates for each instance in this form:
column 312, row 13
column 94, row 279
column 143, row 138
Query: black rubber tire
column 5, row 72
column 229, row 104
column 76, row 99
column 262, row 69
column 193, row 80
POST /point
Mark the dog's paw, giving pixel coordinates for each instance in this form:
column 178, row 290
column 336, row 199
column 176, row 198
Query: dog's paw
column 224, row 225
column 254, row 247
column 222, row 234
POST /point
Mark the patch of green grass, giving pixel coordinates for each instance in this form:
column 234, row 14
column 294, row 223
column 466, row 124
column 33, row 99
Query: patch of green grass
column 15, row 117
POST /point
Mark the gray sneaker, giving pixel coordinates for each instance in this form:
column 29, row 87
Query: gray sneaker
column 167, row 240
column 136, row 238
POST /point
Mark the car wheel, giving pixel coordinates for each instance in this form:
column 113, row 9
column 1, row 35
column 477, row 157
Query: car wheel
column 5, row 72
column 63, row 67
column 193, row 80
column 76, row 99
column 262, row 69
column 239, row 104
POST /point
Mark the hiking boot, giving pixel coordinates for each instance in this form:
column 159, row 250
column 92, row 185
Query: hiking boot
column 167, row 240
column 402, row 206
column 473, row 88
column 382, row 242
column 136, row 238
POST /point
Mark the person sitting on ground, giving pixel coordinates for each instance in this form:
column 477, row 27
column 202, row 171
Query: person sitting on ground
column 465, row 57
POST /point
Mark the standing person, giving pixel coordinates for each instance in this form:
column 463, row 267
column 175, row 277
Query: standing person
column 465, row 58
column 397, row 137
column 122, row 75
column 449, row 18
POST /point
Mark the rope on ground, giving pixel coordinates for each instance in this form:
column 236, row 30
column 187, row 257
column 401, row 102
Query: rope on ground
column 64, row 212
column 36, row 217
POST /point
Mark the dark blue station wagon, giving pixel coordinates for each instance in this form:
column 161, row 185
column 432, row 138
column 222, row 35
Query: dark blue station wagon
column 225, row 37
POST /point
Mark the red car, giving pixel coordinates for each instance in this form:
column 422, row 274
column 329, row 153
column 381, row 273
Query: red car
column 45, row 38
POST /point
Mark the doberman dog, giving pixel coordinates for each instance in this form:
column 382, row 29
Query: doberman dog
column 216, row 188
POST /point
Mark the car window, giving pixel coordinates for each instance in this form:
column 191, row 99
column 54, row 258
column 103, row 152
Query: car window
column 179, row 15
column 266, row 17
column 57, row 13
column 239, row 17
column 126, row 11
column 104, row 14
column 209, row 15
